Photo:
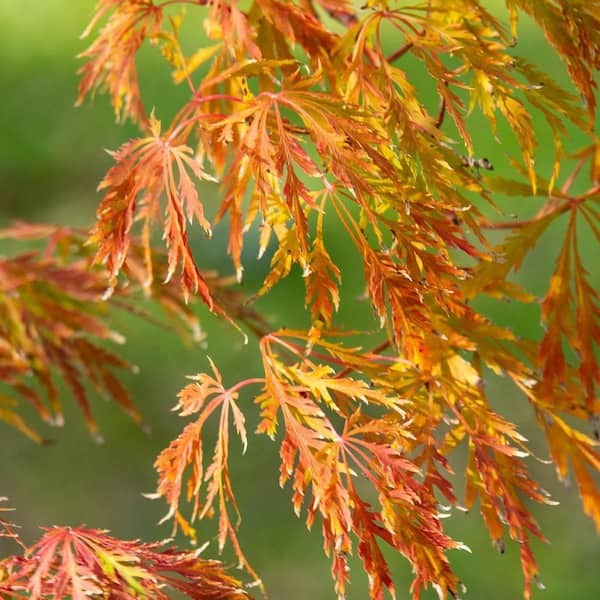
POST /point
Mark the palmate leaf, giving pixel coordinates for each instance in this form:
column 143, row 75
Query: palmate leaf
column 79, row 563
column 209, row 488
column 111, row 57
column 145, row 169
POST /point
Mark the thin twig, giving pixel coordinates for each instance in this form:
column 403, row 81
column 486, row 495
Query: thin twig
column 552, row 201
column 571, row 178
column 441, row 111
column 400, row 52
column 380, row 348
column 569, row 204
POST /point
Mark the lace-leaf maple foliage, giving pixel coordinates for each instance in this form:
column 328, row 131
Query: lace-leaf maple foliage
column 54, row 321
column 306, row 115
column 84, row 563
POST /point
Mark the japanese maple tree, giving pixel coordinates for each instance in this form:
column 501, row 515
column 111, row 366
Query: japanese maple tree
column 308, row 114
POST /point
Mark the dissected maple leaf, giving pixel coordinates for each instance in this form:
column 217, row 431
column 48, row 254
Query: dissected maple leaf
column 79, row 563
column 145, row 169
column 111, row 57
column 209, row 488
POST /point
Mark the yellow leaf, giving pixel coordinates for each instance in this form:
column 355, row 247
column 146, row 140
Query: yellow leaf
column 193, row 62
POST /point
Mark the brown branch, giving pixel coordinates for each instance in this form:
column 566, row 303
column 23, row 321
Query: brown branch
column 442, row 110
column 569, row 204
column 404, row 49
column 400, row 52
column 380, row 348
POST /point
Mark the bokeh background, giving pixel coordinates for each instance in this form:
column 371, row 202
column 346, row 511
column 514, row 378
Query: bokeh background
column 51, row 159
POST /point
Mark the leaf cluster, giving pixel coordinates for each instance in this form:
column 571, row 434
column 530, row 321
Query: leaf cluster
column 304, row 117
column 82, row 563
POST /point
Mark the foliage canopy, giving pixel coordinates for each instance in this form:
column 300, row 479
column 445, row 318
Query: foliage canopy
column 304, row 117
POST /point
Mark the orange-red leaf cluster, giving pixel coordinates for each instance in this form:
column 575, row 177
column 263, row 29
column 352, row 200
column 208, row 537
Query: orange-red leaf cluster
column 315, row 123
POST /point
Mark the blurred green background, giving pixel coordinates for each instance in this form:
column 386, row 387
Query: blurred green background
column 51, row 160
